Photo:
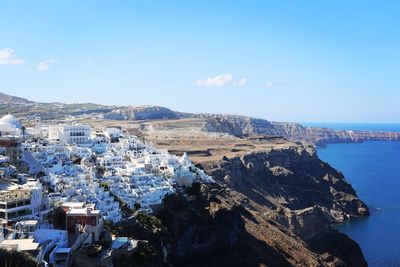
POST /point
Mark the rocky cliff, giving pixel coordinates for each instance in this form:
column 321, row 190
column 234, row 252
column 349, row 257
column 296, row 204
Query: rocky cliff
column 216, row 226
column 243, row 126
column 291, row 178
column 143, row 113
column 277, row 200
column 273, row 205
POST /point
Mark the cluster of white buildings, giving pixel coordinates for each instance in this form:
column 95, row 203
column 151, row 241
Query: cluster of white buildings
column 92, row 176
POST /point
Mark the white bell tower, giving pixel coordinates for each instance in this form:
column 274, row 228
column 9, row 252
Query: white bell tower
column 38, row 126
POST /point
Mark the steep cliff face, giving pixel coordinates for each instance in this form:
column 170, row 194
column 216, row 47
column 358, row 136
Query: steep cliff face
column 214, row 225
column 322, row 136
column 244, row 126
column 215, row 228
column 199, row 227
column 291, row 178
column 288, row 199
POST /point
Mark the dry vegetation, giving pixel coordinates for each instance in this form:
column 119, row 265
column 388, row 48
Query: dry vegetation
column 188, row 135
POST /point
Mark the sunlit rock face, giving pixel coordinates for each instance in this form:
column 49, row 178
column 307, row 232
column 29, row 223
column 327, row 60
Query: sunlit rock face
column 293, row 178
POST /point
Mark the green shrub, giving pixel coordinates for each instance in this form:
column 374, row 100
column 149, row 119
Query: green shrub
column 16, row 259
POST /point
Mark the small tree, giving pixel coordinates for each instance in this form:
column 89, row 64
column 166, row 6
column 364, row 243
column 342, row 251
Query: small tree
column 195, row 189
column 137, row 206
column 59, row 217
column 100, row 171
column 105, row 186
column 15, row 258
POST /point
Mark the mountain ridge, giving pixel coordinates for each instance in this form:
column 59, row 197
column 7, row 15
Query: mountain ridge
column 237, row 125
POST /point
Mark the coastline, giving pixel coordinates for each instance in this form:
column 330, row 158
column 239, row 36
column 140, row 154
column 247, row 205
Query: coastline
column 377, row 182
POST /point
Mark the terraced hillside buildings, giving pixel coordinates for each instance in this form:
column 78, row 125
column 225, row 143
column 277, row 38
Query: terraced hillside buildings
column 76, row 180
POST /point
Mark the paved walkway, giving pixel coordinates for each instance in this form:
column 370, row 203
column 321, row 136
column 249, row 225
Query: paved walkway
column 33, row 163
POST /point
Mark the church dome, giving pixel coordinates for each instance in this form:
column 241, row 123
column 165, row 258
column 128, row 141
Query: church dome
column 11, row 121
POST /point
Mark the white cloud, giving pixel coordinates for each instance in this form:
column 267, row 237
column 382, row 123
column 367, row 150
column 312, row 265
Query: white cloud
column 221, row 80
column 216, row 81
column 7, row 57
column 45, row 64
column 240, row 82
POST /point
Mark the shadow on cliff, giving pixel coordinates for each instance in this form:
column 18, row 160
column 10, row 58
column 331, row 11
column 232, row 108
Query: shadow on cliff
column 291, row 179
column 203, row 232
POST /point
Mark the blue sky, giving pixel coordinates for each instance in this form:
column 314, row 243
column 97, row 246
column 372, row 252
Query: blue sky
column 332, row 61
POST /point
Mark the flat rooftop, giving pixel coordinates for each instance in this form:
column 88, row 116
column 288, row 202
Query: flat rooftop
column 29, row 222
column 73, row 204
column 7, row 186
column 14, row 195
column 21, row 244
column 82, row 211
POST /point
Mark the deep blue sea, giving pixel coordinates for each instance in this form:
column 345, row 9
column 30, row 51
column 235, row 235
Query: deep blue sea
column 373, row 168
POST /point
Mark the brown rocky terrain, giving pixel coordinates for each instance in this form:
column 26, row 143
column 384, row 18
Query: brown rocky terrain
column 292, row 178
column 215, row 226
column 272, row 172
column 215, row 229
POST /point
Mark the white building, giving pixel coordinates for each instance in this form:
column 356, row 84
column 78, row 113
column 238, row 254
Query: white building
column 9, row 125
column 70, row 134
column 113, row 133
column 15, row 204
column 20, row 201
column 25, row 245
column 82, row 152
column 111, row 161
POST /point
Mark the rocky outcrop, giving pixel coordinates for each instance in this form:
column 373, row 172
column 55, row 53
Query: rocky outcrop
column 306, row 223
column 199, row 227
column 214, row 228
column 214, row 225
column 13, row 100
column 245, row 126
column 142, row 113
column 291, row 178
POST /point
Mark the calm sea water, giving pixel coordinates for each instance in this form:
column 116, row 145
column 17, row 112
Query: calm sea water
column 373, row 168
